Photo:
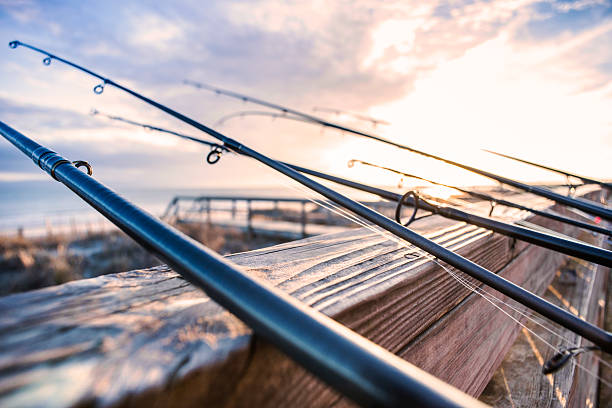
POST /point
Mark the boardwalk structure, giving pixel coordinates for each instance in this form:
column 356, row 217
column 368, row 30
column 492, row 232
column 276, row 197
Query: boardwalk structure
column 276, row 216
column 148, row 337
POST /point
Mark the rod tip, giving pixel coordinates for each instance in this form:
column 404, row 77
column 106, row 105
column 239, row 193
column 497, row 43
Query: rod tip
column 14, row 44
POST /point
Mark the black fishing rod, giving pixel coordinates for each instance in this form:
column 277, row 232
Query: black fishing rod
column 569, row 247
column 585, row 180
column 353, row 365
column 589, row 207
column 375, row 122
column 216, row 150
column 587, row 330
column 242, row 114
column 493, row 200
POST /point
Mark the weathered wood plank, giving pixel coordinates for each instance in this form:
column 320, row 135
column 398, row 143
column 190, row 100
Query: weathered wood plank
column 148, row 337
column 518, row 382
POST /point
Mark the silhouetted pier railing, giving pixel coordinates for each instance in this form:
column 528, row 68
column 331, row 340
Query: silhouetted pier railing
column 277, row 215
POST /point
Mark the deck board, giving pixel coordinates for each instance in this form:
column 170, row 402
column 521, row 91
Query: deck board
column 517, row 382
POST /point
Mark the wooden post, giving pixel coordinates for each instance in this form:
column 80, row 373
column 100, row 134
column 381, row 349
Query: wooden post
column 249, row 220
column 233, row 209
column 303, row 219
column 208, row 210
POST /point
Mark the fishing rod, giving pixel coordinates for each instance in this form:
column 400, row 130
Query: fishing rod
column 242, row 114
column 585, row 180
column 589, row 207
column 284, row 115
column 216, row 150
column 585, row 329
column 558, row 360
column 493, row 200
column 353, row 365
column 245, row 113
column 375, row 122
column 569, row 247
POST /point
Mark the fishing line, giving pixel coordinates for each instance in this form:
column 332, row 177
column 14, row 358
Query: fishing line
column 342, row 211
column 493, row 300
column 353, row 218
column 407, row 245
column 358, row 368
column 486, row 197
column 586, row 252
column 356, row 219
column 478, row 290
column 348, row 215
column 586, row 329
column 489, row 297
column 309, row 193
column 241, row 114
column 585, row 180
column 590, row 207
column 374, row 121
column 530, row 316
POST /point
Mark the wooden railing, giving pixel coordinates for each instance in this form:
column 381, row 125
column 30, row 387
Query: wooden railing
column 300, row 212
column 148, row 337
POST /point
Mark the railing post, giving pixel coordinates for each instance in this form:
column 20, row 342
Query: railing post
column 176, row 211
column 233, row 208
column 249, row 221
column 208, row 210
column 303, row 219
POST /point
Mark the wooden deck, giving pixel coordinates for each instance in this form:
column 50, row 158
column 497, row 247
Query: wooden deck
column 149, row 338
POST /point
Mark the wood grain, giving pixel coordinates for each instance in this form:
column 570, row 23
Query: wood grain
column 149, row 338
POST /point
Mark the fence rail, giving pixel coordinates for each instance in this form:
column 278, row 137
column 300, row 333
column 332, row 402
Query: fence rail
column 296, row 211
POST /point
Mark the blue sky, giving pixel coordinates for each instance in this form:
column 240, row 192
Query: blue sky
column 529, row 78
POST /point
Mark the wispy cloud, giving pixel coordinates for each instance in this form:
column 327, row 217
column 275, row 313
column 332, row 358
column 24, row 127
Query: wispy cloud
column 469, row 68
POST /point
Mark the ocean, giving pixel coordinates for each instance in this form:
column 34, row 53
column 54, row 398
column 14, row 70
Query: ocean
column 37, row 207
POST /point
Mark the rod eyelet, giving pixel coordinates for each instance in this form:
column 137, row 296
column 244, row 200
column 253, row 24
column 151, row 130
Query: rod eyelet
column 400, row 203
column 46, row 61
column 214, row 156
column 14, row 44
column 493, row 204
column 82, row 163
column 98, row 89
column 56, row 165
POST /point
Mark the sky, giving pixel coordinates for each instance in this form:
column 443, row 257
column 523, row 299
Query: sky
column 527, row 78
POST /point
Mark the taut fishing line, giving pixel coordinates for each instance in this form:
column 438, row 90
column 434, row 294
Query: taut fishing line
column 588, row 330
column 356, row 219
column 466, row 282
column 590, row 207
column 359, row 221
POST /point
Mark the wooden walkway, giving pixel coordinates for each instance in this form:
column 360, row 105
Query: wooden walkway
column 149, row 338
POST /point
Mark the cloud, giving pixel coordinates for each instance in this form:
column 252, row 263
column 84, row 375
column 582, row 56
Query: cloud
column 154, row 32
column 355, row 55
column 577, row 5
column 43, row 117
